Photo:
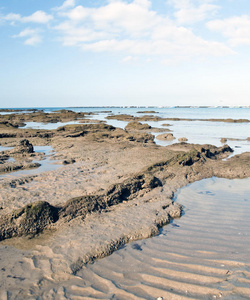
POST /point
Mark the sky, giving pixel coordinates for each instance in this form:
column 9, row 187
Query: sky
column 124, row 53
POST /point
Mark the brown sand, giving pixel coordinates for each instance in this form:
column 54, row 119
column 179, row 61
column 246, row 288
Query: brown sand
column 103, row 156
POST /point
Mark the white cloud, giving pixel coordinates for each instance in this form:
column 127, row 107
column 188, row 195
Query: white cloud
column 12, row 17
column 192, row 11
column 196, row 47
column 133, row 28
column 32, row 36
column 236, row 29
column 66, row 4
column 79, row 13
column 129, row 59
column 37, row 17
column 130, row 27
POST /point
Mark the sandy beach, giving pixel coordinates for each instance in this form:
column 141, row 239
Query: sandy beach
column 112, row 186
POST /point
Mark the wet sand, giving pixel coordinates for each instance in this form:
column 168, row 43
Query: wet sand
column 109, row 165
column 189, row 259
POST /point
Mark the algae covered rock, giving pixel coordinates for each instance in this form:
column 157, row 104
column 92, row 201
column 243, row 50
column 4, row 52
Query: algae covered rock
column 24, row 147
column 29, row 220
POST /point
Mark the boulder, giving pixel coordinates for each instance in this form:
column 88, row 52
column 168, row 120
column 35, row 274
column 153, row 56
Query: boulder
column 182, row 139
column 165, row 137
column 24, row 147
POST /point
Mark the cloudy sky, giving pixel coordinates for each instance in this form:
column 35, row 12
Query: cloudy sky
column 124, row 52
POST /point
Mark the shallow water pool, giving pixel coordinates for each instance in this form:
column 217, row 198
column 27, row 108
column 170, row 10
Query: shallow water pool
column 47, row 164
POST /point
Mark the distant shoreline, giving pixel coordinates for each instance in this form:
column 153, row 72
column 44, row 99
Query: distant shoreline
column 89, row 107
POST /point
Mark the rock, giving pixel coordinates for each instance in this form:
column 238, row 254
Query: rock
column 24, row 147
column 147, row 112
column 117, row 193
column 182, row 139
column 34, row 218
column 135, row 125
column 8, row 167
column 6, row 124
column 29, row 220
column 68, row 161
column 165, row 137
column 20, row 124
column 124, row 117
column 223, row 140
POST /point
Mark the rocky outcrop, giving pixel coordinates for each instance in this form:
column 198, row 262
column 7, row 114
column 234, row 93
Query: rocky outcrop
column 182, row 139
column 8, row 167
column 223, row 140
column 125, row 117
column 6, row 124
column 165, row 137
column 147, row 112
column 30, row 220
column 135, row 125
column 41, row 116
column 36, row 217
column 24, row 147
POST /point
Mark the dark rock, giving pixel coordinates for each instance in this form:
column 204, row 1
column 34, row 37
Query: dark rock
column 24, row 147
column 148, row 112
column 68, row 161
column 30, row 220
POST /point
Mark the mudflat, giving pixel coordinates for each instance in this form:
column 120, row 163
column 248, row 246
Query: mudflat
column 112, row 186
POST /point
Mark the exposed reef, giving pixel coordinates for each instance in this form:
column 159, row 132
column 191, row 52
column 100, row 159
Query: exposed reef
column 124, row 117
column 19, row 158
column 35, row 217
column 148, row 112
column 165, row 137
column 43, row 117
column 113, row 186
column 135, row 125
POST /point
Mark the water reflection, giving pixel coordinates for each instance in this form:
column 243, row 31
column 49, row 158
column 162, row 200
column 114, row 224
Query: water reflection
column 47, row 164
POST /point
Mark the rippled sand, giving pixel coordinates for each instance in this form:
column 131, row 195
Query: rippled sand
column 203, row 255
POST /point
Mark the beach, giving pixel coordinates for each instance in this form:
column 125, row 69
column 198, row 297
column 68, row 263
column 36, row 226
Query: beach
column 108, row 186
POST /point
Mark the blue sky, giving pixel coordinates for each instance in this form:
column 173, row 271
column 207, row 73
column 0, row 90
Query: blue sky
column 121, row 52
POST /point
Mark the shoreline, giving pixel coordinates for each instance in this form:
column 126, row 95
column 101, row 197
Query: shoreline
column 107, row 161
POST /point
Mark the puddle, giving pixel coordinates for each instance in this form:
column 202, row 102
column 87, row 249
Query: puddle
column 48, row 126
column 5, row 148
column 47, row 164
